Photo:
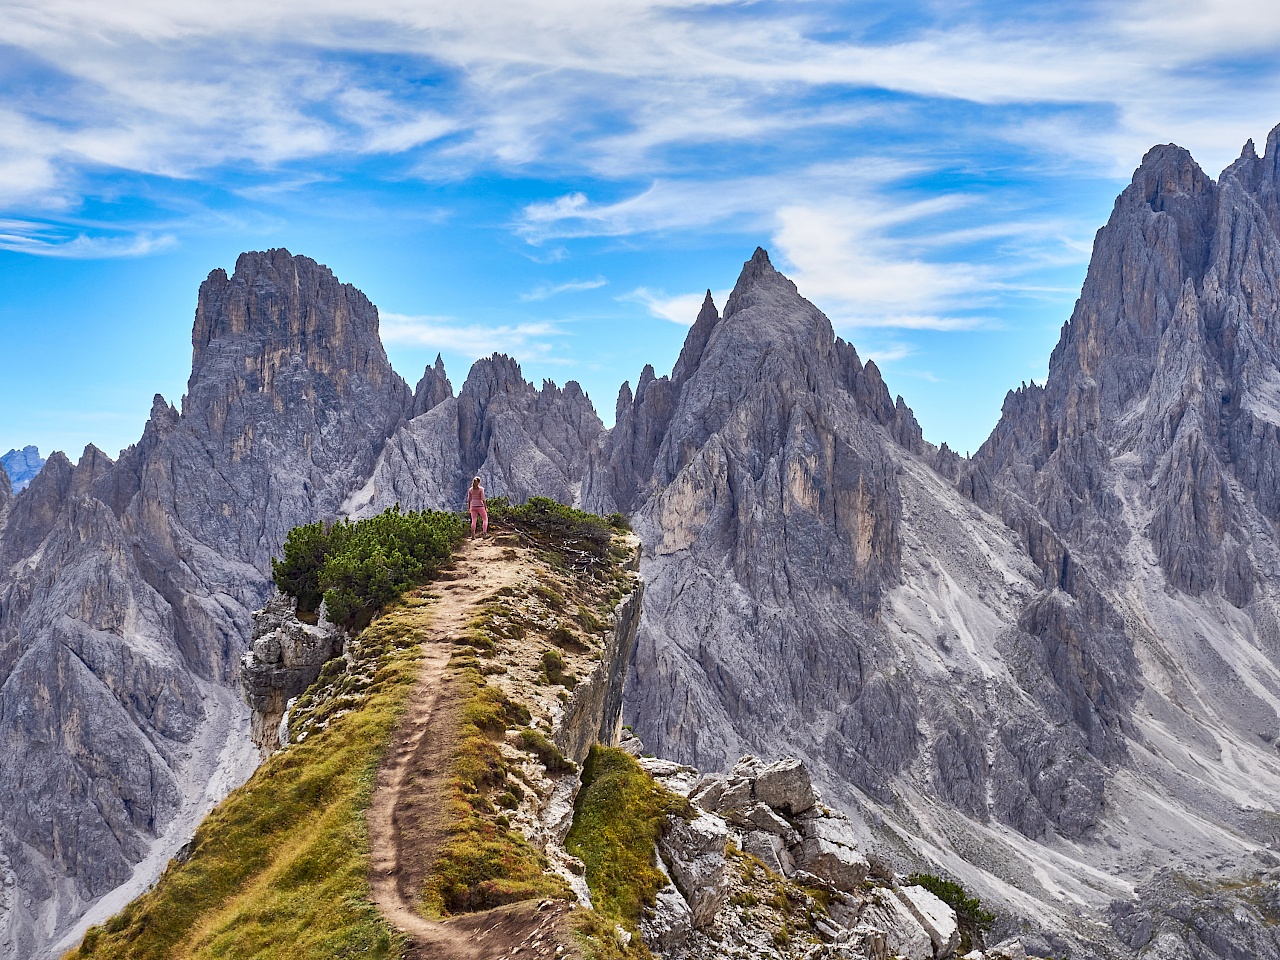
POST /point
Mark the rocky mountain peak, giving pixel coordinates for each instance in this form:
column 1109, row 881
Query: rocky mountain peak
column 696, row 340
column 21, row 466
column 758, row 282
column 279, row 315
column 433, row 389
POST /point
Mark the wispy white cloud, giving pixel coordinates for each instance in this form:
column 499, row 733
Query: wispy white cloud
column 890, row 353
column 682, row 308
column 162, row 87
column 842, row 258
column 546, row 290
column 524, row 341
column 40, row 240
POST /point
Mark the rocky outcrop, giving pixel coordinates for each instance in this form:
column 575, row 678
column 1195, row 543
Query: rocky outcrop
column 284, row 658
column 21, row 466
column 713, row 907
column 593, row 713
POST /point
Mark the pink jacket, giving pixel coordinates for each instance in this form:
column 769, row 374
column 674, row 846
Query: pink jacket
column 475, row 497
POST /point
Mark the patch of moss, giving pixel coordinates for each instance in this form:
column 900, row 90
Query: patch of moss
column 589, row 621
column 599, row 939
column 566, row 639
column 553, row 670
column 555, row 762
column 550, row 596
column 618, row 817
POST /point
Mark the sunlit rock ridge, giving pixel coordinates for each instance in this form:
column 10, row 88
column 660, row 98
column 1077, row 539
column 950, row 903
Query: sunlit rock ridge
column 1051, row 671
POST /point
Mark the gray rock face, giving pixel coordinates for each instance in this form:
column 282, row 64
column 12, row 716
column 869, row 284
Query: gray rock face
column 433, row 389
column 284, row 657
column 519, row 440
column 21, row 467
column 693, row 851
column 1081, row 617
column 127, row 586
column 903, row 934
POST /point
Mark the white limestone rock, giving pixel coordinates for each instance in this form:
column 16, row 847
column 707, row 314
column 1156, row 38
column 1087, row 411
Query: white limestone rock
column 842, row 867
column 770, row 850
column 937, row 918
column 785, row 785
column 666, row 926
column 904, row 936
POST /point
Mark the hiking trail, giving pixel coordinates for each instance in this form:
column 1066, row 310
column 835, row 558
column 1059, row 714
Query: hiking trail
column 406, row 814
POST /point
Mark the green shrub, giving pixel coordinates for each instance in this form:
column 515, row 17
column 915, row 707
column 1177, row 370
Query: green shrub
column 572, row 537
column 973, row 920
column 358, row 567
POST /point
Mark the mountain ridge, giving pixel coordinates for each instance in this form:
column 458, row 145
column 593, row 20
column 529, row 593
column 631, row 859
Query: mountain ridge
column 1007, row 665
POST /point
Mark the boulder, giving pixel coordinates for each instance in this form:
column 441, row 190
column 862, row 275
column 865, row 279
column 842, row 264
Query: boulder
column 673, row 776
column 784, row 785
column 841, row 866
column 835, row 829
column 708, row 791
column 762, row 817
column 693, row 852
column 937, row 918
column 630, row 743
column 1013, row 949
column 868, row 942
column 903, row 934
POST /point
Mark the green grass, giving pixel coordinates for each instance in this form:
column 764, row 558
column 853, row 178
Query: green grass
column 483, row 863
column 617, row 820
column 279, row 869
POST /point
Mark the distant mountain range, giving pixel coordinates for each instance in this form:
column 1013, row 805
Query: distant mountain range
column 1051, row 670
column 22, row 466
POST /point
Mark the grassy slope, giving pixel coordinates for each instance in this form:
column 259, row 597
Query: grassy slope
column 279, row 869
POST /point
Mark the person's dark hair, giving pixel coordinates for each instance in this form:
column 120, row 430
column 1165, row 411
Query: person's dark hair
column 475, row 482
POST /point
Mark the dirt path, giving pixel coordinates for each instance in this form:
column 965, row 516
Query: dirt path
column 405, row 815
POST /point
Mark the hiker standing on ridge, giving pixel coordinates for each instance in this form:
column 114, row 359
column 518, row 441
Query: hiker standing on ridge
column 476, row 504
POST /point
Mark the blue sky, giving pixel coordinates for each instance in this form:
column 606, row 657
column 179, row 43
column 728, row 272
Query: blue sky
column 561, row 181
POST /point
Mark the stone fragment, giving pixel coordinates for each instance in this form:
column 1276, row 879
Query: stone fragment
column 770, row 850
column 762, row 817
column 673, row 776
column 630, row 743
column 708, row 791
column 904, row 937
column 667, row 925
column 836, row 829
column 1011, row 949
column 843, row 867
